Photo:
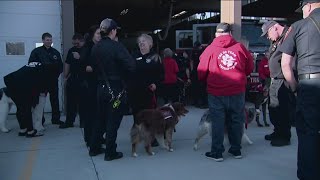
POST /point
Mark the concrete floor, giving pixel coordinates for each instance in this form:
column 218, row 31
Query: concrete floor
column 62, row 155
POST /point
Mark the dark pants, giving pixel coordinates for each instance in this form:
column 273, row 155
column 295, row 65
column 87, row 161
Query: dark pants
column 23, row 103
column 226, row 110
column 199, row 93
column 54, row 100
column 75, row 100
column 170, row 93
column 280, row 115
column 308, row 129
column 109, row 120
column 141, row 98
column 90, row 103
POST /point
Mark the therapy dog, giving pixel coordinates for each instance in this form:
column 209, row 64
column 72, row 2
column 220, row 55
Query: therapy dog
column 6, row 104
column 205, row 125
column 156, row 123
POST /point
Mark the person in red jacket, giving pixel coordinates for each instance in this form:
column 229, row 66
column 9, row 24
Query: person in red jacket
column 170, row 88
column 225, row 65
column 263, row 69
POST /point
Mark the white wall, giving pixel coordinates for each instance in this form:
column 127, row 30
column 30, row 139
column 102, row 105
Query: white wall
column 26, row 21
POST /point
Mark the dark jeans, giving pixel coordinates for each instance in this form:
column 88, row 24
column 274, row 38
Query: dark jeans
column 308, row 129
column 227, row 110
column 280, row 115
column 54, row 100
column 108, row 120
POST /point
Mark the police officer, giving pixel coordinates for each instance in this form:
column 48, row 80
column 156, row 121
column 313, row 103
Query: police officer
column 74, row 79
column 304, row 41
column 51, row 59
column 113, row 64
column 279, row 92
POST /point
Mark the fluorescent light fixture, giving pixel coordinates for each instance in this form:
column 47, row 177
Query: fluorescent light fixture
column 157, row 31
column 124, row 12
column 179, row 14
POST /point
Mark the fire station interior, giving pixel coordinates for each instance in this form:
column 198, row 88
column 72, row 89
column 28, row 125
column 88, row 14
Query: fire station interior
column 178, row 24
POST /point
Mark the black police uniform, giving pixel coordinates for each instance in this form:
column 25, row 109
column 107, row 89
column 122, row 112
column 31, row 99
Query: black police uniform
column 304, row 41
column 112, row 59
column 149, row 71
column 24, row 87
column 51, row 58
column 279, row 97
column 74, row 89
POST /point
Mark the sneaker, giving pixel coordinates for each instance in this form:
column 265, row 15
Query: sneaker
column 34, row 133
column 115, row 156
column 215, row 156
column 278, row 142
column 269, row 137
column 235, row 154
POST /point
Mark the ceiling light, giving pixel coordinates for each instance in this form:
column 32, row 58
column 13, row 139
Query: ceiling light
column 124, row 12
column 179, row 14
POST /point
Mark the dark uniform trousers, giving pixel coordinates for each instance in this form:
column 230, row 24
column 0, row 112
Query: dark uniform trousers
column 108, row 120
column 89, row 93
column 308, row 127
column 75, row 100
column 280, row 115
column 54, row 100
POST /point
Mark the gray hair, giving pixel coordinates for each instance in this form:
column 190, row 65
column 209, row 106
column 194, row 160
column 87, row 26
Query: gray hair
column 167, row 52
column 147, row 37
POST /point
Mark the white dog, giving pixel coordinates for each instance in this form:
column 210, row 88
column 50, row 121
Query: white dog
column 5, row 106
column 206, row 123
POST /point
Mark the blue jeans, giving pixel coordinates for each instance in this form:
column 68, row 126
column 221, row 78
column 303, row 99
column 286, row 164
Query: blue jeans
column 229, row 111
column 308, row 127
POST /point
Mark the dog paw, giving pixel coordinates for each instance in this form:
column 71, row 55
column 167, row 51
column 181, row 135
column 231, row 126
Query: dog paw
column 134, row 155
column 5, row 130
column 195, row 147
column 170, row 150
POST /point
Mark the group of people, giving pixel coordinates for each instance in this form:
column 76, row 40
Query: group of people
column 103, row 78
column 294, row 64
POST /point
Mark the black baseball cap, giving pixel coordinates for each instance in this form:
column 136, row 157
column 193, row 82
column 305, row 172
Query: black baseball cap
column 223, row 28
column 266, row 26
column 303, row 3
column 109, row 24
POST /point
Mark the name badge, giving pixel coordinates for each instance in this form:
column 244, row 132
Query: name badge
column 139, row 58
column 148, row 60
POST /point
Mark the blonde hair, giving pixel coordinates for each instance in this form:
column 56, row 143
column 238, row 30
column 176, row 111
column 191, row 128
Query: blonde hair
column 147, row 37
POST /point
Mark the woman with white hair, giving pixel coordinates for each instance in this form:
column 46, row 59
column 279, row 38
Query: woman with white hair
column 149, row 73
column 170, row 88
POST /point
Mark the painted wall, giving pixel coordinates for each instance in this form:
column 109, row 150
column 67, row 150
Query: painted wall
column 26, row 21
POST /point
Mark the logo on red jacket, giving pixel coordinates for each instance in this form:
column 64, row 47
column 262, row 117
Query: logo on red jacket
column 227, row 60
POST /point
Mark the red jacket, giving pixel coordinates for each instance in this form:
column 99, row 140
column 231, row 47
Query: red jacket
column 263, row 69
column 170, row 70
column 225, row 65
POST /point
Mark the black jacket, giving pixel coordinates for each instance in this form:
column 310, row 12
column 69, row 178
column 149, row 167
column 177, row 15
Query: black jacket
column 50, row 58
column 112, row 58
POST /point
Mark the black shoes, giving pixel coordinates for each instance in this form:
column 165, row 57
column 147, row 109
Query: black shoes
column 57, row 121
column 215, row 156
column 235, row 154
column 34, row 134
column 66, row 125
column 278, row 142
column 115, row 156
column 269, row 137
